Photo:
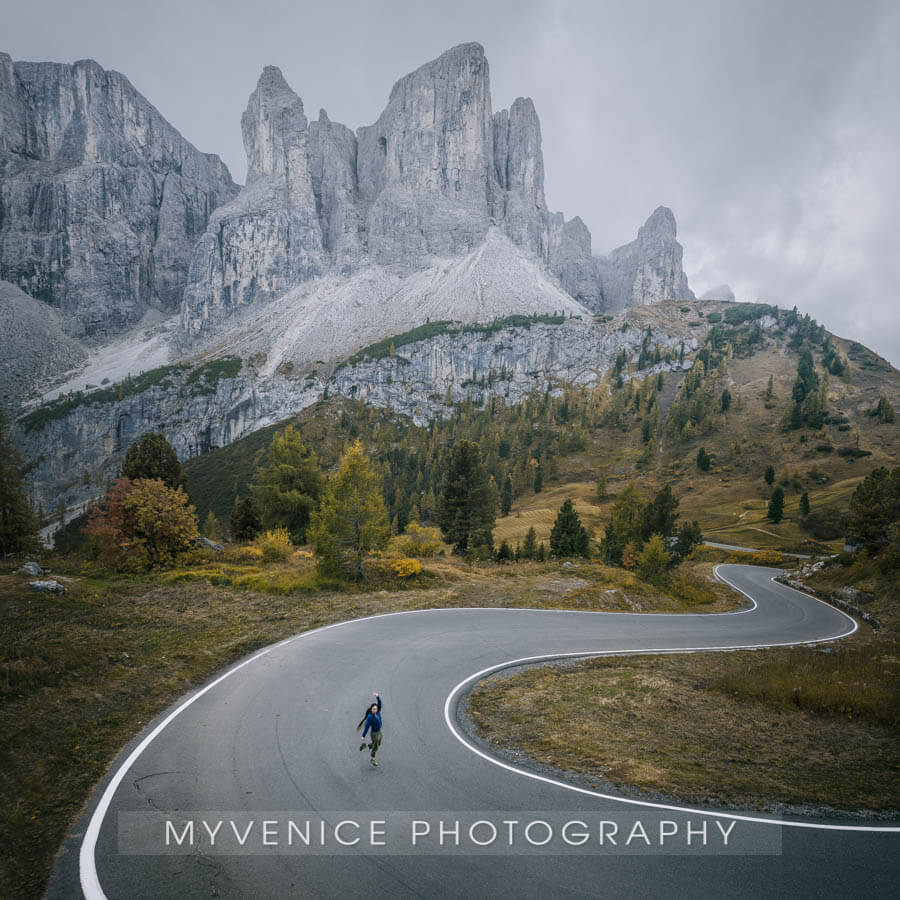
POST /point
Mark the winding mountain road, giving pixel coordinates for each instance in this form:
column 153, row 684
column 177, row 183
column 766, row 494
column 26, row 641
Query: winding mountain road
column 271, row 740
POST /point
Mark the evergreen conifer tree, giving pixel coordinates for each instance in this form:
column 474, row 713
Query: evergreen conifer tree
column 212, row 528
column 529, row 545
column 352, row 519
column 875, row 509
column 246, row 523
column 776, row 506
column 506, row 497
column 288, row 485
column 467, row 507
column 152, row 456
column 568, row 536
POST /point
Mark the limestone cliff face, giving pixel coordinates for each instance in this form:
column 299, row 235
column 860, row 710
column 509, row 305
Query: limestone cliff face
column 101, row 200
column 425, row 182
column 424, row 166
column 333, row 154
column 648, row 269
column 269, row 237
column 435, row 212
column 92, row 438
column 106, row 212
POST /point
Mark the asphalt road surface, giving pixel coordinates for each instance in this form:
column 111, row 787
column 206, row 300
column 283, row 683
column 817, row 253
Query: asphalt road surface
column 254, row 785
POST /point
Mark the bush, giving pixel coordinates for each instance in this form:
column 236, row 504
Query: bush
column 826, row 523
column 243, row 553
column 275, row 545
column 853, row 452
column 654, row 560
column 422, row 541
column 406, row 567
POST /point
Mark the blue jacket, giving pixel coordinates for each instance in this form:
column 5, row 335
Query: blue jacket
column 373, row 719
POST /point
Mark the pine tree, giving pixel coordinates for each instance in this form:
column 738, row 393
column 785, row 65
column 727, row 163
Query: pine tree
column 542, row 552
column 875, row 509
column 506, row 497
column 776, row 506
column 288, row 485
column 770, row 475
column 568, row 536
column 624, row 525
column 468, row 502
column 352, row 519
column 539, row 479
column 18, row 524
column 884, row 411
column 602, row 486
column 804, row 505
column 770, row 388
column 504, row 553
column 726, row 400
column 704, row 460
column 660, row 514
column 529, row 545
column 152, row 456
column 246, row 523
column 212, row 528
column 689, row 536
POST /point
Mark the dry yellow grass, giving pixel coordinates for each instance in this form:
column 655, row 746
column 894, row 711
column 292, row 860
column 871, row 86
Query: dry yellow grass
column 674, row 724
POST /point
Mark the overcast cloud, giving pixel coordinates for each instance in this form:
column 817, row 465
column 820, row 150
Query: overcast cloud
column 770, row 127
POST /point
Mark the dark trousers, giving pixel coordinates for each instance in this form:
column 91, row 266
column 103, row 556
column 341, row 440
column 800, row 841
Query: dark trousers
column 375, row 738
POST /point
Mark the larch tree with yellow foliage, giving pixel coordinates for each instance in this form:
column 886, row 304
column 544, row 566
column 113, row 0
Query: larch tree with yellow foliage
column 351, row 520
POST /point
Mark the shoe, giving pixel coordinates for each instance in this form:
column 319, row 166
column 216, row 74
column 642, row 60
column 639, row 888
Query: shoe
column 363, row 745
column 374, row 761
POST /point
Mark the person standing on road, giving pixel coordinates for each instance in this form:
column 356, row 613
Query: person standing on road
column 372, row 720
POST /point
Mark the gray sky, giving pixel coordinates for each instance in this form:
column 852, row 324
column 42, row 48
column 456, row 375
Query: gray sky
column 770, row 127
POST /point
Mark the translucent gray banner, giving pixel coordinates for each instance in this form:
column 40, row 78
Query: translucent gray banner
column 480, row 832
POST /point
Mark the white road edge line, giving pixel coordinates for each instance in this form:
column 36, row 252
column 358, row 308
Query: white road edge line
column 90, row 881
column 683, row 809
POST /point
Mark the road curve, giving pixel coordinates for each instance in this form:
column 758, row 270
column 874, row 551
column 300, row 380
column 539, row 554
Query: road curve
column 272, row 739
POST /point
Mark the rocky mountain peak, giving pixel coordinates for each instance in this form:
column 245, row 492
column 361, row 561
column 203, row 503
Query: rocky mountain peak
column 101, row 199
column 720, row 292
column 518, row 158
column 460, row 66
column 274, row 129
column 648, row 269
column 660, row 226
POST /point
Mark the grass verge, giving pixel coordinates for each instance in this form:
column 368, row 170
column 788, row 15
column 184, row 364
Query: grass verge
column 799, row 726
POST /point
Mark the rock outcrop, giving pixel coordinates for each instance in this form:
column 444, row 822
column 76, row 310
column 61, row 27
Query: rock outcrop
column 648, row 269
column 101, row 200
column 425, row 165
column 268, row 238
column 722, row 292
column 426, row 182
column 197, row 415
column 33, row 347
